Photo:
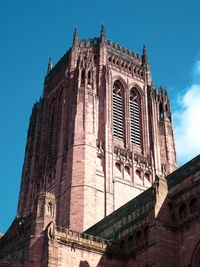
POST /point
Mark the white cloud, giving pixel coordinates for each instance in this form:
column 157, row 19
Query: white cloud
column 187, row 121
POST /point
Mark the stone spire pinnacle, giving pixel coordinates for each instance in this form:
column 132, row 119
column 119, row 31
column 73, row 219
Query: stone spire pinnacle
column 49, row 65
column 75, row 40
column 144, row 57
column 102, row 38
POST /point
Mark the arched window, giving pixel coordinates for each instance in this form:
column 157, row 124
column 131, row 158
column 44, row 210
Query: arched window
column 118, row 111
column 135, row 118
column 50, row 208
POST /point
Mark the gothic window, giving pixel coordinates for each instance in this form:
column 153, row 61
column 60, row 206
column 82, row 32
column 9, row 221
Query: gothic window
column 135, row 118
column 50, row 208
column 118, row 111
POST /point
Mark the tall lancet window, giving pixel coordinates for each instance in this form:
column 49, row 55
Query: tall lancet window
column 135, row 118
column 118, row 111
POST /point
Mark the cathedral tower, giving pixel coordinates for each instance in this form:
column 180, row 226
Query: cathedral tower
column 99, row 134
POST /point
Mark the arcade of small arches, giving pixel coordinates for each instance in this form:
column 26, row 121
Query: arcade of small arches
column 127, row 169
column 134, row 113
column 86, row 76
column 136, row 239
column 185, row 210
column 126, row 66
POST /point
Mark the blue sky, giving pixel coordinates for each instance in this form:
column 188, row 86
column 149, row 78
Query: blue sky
column 32, row 31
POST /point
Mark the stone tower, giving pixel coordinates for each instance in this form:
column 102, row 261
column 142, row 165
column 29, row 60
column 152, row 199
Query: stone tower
column 99, row 134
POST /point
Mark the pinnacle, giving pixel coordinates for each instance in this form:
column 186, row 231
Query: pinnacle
column 102, row 33
column 102, row 29
column 49, row 65
column 145, row 60
column 75, row 40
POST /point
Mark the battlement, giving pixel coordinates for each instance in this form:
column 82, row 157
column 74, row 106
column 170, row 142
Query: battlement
column 82, row 239
column 124, row 51
column 88, row 42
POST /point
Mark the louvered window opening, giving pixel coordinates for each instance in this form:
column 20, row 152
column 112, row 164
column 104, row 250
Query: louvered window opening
column 118, row 127
column 135, row 123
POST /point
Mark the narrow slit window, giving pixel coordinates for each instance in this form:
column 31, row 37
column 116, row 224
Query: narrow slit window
column 135, row 119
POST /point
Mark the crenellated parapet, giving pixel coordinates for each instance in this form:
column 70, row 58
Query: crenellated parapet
column 78, row 239
column 123, row 52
